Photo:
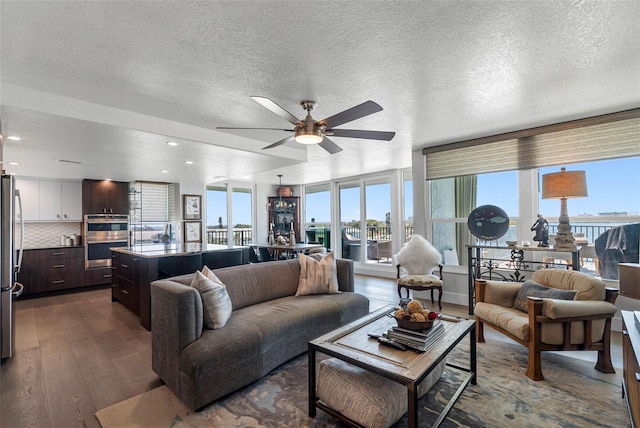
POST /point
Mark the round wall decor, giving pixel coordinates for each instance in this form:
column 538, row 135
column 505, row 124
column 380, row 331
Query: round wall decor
column 488, row 222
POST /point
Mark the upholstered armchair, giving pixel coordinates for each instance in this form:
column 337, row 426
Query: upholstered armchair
column 557, row 310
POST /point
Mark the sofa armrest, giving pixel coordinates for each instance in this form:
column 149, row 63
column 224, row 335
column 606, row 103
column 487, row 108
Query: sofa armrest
column 177, row 321
column 561, row 309
column 345, row 271
column 501, row 293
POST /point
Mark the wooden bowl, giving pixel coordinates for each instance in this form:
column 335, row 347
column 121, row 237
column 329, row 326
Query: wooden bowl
column 414, row 325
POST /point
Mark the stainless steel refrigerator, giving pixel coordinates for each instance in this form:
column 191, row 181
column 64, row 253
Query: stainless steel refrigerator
column 11, row 261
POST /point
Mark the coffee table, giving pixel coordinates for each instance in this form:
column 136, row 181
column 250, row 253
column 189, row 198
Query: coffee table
column 352, row 344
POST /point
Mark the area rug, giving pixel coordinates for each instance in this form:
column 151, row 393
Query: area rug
column 573, row 394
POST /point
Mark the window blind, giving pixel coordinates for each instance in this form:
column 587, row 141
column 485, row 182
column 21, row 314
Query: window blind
column 610, row 136
column 155, row 202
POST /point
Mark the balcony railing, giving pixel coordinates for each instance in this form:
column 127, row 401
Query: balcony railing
column 374, row 233
column 241, row 236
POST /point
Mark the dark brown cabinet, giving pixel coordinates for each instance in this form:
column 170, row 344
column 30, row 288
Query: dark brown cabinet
column 125, row 271
column 45, row 270
column 105, row 197
column 284, row 211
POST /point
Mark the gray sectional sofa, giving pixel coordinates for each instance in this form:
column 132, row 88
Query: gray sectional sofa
column 269, row 325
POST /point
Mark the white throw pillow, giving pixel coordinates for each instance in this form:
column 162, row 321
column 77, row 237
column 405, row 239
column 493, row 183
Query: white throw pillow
column 418, row 257
column 317, row 276
column 216, row 303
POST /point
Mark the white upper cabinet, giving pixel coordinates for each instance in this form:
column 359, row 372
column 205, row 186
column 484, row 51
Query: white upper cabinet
column 71, row 200
column 30, row 195
column 49, row 200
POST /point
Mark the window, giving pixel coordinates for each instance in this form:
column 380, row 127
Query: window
column 453, row 199
column 317, row 216
column 350, row 224
column 407, row 198
column 614, row 200
column 152, row 212
column 217, row 215
column 228, row 202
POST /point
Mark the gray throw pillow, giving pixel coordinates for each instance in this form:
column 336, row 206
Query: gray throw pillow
column 533, row 289
column 216, row 303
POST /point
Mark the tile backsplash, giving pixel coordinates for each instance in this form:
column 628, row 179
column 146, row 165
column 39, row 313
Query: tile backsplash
column 47, row 234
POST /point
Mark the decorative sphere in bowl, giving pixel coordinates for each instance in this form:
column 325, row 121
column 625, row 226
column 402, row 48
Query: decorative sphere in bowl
column 511, row 243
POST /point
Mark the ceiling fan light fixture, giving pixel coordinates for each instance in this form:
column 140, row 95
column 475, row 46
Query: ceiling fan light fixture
column 309, row 137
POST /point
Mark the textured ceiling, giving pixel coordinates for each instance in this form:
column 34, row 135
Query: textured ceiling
column 108, row 83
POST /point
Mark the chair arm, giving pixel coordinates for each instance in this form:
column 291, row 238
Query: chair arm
column 501, row 293
column 559, row 309
column 611, row 294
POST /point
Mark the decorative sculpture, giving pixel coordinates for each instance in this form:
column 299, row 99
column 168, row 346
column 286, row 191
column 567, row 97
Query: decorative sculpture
column 541, row 226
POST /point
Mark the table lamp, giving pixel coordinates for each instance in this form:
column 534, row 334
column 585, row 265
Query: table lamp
column 564, row 185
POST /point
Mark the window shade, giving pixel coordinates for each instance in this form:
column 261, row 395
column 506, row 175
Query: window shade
column 154, row 202
column 610, row 136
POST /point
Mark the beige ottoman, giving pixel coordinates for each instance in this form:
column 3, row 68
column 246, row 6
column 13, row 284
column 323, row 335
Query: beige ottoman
column 365, row 397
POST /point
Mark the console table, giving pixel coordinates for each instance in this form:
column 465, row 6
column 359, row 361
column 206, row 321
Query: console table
column 514, row 264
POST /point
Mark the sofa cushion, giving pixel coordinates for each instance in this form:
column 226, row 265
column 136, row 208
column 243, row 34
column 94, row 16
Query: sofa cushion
column 512, row 320
column 418, row 257
column 215, row 300
column 588, row 287
column 317, row 276
column 532, row 289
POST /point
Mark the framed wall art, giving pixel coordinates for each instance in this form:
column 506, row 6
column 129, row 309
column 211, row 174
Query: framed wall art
column 192, row 207
column 193, row 231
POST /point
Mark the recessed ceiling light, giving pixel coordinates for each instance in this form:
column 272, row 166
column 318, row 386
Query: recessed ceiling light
column 189, row 162
column 14, row 163
column 107, row 179
column 164, row 171
column 13, row 137
column 172, row 143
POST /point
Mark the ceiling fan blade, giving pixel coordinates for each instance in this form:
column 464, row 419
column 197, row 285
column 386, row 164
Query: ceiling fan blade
column 265, row 129
column 361, row 110
column 329, row 146
column 358, row 133
column 275, row 108
column 278, row 143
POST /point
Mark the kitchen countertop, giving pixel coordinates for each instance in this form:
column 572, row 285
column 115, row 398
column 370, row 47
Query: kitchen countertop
column 174, row 249
column 53, row 247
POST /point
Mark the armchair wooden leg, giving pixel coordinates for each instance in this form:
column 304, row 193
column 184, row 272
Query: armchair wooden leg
column 440, row 299
column 604, row 356
column 534, row 367
column 604, row 364
column 479, row 330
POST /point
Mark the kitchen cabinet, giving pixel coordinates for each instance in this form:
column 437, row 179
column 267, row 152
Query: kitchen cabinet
column 30, row 195
column 50, row 200
column 105, row 197
column 52, row 269
column 60, row 200
column 125, row 270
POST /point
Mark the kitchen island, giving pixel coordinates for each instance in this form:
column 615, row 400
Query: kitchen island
column 134, row 268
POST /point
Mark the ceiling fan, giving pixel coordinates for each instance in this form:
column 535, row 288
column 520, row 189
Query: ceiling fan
column 311, row 131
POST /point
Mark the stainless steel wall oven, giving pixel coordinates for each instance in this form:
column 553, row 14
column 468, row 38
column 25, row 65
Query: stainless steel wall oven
column 103, row 232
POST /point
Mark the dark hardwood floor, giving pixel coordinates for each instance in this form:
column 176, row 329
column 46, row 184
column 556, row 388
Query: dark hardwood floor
column 79, row 352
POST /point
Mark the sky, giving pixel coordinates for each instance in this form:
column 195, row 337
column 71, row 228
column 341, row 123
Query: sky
column 612, row 186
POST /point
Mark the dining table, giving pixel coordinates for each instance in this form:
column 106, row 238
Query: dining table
column 290, row 250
